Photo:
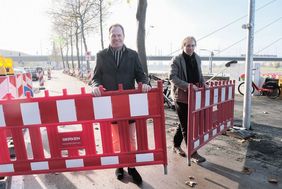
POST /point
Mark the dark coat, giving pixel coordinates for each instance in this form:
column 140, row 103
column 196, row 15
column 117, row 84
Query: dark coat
column 108, row 74
column 178, row 78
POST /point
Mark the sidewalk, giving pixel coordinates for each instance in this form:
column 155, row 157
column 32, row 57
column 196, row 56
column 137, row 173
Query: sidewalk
column 235, row 163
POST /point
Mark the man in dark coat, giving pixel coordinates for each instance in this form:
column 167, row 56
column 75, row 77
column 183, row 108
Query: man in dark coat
column 115, row 65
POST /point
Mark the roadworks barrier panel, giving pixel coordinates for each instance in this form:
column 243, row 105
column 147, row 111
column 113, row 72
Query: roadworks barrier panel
column 210, row 113
column 73, row 133
column 15, row 85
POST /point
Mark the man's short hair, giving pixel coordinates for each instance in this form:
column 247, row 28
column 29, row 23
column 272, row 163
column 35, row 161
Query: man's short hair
column 187, row 39
column 116, row 25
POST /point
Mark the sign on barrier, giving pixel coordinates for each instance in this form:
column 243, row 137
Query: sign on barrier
column 210, row 112
column 73, row 133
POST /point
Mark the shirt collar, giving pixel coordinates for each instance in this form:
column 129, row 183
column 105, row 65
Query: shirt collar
column 114, row 50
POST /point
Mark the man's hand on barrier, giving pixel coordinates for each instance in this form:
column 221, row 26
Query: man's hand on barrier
column 195, row 87
column 146, row 88
column 96, row 91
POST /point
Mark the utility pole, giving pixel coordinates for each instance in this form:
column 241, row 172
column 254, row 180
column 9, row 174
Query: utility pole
column 249, row 65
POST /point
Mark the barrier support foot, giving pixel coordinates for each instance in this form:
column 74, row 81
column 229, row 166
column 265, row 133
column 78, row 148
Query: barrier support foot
column 165, row 169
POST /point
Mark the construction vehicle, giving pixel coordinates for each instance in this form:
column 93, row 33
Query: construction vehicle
column 6, row 66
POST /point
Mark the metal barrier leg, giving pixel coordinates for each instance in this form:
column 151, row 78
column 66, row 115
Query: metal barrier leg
column 165, row 169
column 189, row 161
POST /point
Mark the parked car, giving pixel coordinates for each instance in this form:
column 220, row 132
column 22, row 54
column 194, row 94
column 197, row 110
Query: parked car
column 33, row 72
column 39, row 69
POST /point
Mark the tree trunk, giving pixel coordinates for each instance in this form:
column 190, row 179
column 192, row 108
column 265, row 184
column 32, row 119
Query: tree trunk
column 67, row 55
column 101, row 24
column 84, row 43
column 62, row 55
column 77, row 49
column 141, row 20
column 72, row 62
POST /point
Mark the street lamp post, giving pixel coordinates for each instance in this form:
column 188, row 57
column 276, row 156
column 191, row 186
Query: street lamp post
column 210, row 58
column 147, row 33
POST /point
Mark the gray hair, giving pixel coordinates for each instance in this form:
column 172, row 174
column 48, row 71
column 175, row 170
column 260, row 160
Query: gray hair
column 186, row 39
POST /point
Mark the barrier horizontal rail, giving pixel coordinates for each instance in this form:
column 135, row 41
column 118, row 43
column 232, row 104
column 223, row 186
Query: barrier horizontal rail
column 210, row 113
column 73, row 133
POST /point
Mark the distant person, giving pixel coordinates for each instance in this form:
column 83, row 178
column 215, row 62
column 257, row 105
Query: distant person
column 185, row 69
column 115, row 65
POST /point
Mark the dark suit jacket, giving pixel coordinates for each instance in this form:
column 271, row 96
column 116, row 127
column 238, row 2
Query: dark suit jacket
column 108, row 74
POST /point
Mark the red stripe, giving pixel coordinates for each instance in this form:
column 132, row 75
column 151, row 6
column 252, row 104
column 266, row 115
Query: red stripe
column 120, row 105
column 83, row 104
column 48, row 111
column 12, row 113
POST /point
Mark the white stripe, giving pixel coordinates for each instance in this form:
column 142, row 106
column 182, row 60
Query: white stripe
column 223, row 94
column 196, row 143
column 198, row 100
column 13, row 91
column 111, row 160
column 144, row 157
column 42, row 183
column 4, row 87
column 43, row 165
column 214, row 132
column 215, row 96
column 66, row 110
column 229, row 124
column 30, row 113
column 207, row 101
column 6, row 168
column 2, row 118
column 206, row 137
column 102, row 107
column 19, row 80
column 17, row 182
column 230, row 92
column 221, row 127
column 71, row 163
column 138, row 104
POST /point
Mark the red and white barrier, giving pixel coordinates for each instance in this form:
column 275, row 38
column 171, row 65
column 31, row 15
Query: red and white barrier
column 20, row 85
column 14, row 85
column 41, row 80
column 4, row 86
column 210, row 112
column 27, row 78
column 47, row 114
column 8, row 85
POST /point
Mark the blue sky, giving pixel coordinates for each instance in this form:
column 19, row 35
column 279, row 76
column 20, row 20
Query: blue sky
column 28, row 29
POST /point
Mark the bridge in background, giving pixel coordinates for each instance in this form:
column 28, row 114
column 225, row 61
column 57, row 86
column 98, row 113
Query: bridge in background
column 150, row 58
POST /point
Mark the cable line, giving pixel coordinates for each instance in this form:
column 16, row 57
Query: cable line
column 259, row 30
column 225, row 26
column 269, row 45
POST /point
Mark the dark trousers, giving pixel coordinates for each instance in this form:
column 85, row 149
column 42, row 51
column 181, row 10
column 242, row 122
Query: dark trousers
column 181, row 131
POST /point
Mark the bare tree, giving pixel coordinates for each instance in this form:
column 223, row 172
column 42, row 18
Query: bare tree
column 84, row 12
column 141, row 20
column 82, row 17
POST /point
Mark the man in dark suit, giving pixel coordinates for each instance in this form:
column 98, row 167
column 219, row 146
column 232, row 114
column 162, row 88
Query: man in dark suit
column 115, row 65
